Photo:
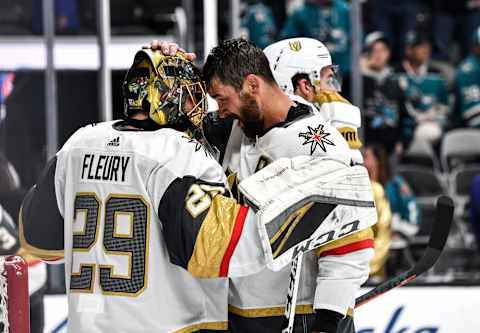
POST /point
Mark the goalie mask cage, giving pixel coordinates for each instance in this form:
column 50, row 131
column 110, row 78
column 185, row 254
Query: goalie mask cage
column 14, row 301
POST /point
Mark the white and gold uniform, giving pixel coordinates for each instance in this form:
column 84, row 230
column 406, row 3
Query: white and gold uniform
column 133, row 214
column 331, row 275
column 345, row 117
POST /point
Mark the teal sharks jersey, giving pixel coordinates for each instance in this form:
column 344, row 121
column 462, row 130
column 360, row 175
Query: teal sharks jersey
column 468, row 93
column 260, row 24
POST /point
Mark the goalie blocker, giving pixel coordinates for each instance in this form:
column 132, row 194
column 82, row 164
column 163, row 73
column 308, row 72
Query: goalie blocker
column 304, row 203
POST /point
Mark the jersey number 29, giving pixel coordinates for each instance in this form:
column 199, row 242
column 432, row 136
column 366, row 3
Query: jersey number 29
column 133, row 244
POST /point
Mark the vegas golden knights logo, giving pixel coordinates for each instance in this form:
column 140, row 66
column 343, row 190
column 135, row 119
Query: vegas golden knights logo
column 295, row 45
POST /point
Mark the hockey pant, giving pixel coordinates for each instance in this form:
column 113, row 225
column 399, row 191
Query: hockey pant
column 303, row 324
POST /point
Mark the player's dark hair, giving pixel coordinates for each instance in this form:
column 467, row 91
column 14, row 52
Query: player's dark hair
column 297, row 77
column 233, row 60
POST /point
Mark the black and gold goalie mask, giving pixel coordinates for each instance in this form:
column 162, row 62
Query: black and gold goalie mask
column 169, row 88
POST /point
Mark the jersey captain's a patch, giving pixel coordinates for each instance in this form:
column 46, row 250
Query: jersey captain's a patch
column 316, row 137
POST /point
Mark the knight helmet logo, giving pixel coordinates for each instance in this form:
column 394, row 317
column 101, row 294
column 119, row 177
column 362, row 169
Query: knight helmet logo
column 295, row 45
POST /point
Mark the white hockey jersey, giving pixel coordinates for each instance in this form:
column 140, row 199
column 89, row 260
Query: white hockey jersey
column 327, row 281
column 345, row 117
column 125, row 209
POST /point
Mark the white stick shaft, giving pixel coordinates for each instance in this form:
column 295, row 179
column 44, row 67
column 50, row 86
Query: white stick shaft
column 291, row 303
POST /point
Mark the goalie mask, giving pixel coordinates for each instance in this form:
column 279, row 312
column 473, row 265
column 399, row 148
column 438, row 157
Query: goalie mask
column 169, row 89
column 309, row 56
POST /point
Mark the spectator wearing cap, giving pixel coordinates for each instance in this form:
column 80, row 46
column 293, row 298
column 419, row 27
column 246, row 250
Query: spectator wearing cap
column 425, row 92
column 327, row 21
column 467, row 88
column 381, row 109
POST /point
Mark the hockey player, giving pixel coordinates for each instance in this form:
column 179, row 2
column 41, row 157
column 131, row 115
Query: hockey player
column 268, row 125
column 123, row 201
column 304, row 67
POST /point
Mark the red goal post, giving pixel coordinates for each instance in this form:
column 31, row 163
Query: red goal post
column 14, row 300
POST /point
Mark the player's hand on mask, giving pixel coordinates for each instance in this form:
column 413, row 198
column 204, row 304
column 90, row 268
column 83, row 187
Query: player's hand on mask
column 168, row 48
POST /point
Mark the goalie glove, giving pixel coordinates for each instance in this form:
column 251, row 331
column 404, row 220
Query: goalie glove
column 305, row 202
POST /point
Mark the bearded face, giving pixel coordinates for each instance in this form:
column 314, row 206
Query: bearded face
column 250, row 117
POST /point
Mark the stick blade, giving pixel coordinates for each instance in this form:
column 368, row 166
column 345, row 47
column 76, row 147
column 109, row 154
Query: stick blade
column 438, row 238
column 442, row 223
column 439, row 235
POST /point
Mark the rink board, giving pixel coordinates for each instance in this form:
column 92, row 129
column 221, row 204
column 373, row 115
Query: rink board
column 422, row 310
column 404, row 310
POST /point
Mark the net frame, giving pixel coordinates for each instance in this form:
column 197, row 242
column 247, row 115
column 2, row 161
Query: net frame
column 14, row 297
column 4, row 325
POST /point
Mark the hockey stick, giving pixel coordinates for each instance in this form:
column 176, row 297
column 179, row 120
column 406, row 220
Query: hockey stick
column 436, row 243
column 292, row 293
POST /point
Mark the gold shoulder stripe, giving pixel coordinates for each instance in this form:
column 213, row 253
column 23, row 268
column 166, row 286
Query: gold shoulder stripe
column 331, row 96
column 351, row 136
column 269, row 312
column 353, row 238
column 35, row 251
column 213, row 238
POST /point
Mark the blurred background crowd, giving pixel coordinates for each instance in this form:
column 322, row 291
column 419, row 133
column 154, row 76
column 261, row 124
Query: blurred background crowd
column 420, row 102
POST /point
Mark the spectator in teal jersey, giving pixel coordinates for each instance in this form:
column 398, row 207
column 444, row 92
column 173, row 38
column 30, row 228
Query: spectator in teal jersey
column 382, row 111
column 259, row 24
column 467, row 89
column 425, row 91
column 325, row 20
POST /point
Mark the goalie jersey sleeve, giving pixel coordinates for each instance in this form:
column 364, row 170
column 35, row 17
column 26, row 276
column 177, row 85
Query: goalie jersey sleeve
column 201, row 224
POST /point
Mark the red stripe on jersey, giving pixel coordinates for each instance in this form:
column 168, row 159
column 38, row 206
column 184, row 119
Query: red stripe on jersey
column 360, row 245
column 236, row 232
